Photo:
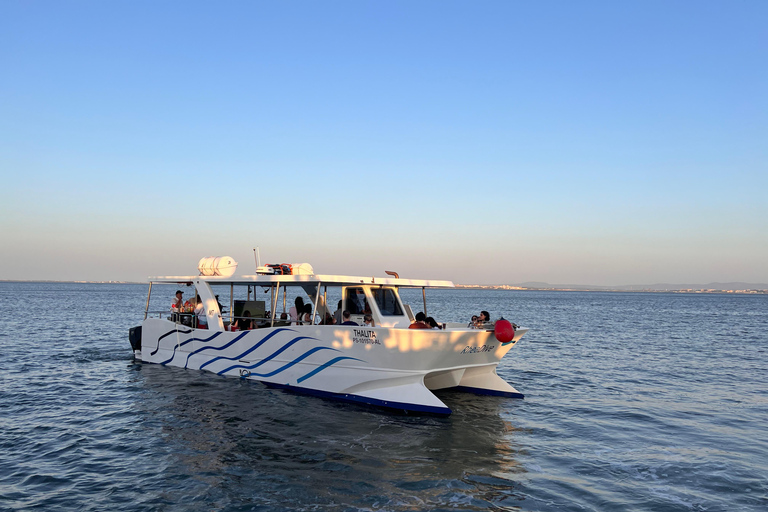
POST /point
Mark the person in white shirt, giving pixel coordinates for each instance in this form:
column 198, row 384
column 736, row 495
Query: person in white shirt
column 178, row 301
column 202, row 319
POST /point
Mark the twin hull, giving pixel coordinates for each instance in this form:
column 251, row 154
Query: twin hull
column 388, row 367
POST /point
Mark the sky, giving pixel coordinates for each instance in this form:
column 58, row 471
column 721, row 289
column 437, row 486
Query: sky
column 493, row 142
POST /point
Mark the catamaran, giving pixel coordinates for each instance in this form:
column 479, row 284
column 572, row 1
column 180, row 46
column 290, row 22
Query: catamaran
column 375, row 357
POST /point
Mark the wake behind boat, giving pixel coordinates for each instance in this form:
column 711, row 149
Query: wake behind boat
column 373, row 349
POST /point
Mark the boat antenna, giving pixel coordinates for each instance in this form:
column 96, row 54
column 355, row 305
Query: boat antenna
column 256, row 257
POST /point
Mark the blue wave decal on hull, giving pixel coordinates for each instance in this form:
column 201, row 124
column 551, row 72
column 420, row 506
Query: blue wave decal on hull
column 284, row 367
column 179, row 345
column 163, row 336
column 215, row 348
column 269, row 357
column 260, row 343
column 323, row 367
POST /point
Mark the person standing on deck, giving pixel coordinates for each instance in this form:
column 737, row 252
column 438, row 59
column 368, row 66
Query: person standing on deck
column 178, row 301
column 202, row 319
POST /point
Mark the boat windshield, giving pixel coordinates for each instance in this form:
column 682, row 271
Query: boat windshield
column 387, row 301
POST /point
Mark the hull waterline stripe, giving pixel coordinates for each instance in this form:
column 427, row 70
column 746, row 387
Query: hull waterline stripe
column 257, row 345
column 490, row 392
column 344, row 397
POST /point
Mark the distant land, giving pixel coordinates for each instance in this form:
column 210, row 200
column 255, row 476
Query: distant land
column 75, row 282
column 735, row 287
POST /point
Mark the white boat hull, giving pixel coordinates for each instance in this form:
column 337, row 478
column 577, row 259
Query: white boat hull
column 388, row 367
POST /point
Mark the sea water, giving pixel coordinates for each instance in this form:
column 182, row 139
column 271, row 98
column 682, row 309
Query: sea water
column 633, row 401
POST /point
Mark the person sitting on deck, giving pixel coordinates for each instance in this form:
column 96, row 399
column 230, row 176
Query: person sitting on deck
column 483, row 318
column 329, row 320
column 419, row 323
column 245, row 323
column 296, row 311
column 306, row 318
column 346, row 316
column 368, row 320
column 431, row 322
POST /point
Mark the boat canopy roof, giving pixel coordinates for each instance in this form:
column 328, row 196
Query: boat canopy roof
column 268, row 280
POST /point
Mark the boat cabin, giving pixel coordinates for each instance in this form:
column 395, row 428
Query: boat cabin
column 270, row 300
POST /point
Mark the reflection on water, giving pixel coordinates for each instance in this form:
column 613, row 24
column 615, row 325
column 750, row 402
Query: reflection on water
column 248, row 443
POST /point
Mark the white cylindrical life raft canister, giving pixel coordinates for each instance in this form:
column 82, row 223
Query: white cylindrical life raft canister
column 221, row 266
column 302, row 269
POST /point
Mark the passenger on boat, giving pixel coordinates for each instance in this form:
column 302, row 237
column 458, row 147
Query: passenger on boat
column 420, row 322
column 473, row 321
column 356, row 301
column 368, row 320
column 177, row 306
column 296, row 311
column 483, row 318
column 178, row 302
column 431, row 323
column 329, row 320
column 337, row 314
column 245, row 323
column 202, row 319
column 306, row 318
column 346, row 315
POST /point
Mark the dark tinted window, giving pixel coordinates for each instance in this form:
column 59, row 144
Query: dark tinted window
column 387, row 302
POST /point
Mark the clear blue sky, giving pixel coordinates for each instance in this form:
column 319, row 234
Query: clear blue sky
column 483, row 142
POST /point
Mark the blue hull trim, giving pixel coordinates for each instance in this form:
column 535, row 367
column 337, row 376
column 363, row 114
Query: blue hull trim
column 344, row 397
column 491, row 392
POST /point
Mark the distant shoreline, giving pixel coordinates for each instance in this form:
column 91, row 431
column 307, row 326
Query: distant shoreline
column 621, row 289
column 745, row 288
column 69, row 282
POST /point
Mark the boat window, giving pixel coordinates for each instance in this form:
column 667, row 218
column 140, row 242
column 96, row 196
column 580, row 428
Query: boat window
column 357, row 304
column 387, row 301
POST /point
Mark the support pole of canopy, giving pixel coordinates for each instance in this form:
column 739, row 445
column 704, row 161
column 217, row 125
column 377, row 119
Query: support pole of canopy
column 314, row 309
column 424, row 296
column 146, row 309
column 274, row 303
column 232, row 302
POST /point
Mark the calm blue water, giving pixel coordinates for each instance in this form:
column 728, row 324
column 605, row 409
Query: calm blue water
column 647, row 402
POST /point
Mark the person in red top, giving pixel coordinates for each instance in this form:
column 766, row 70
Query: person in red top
column 419, row 323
